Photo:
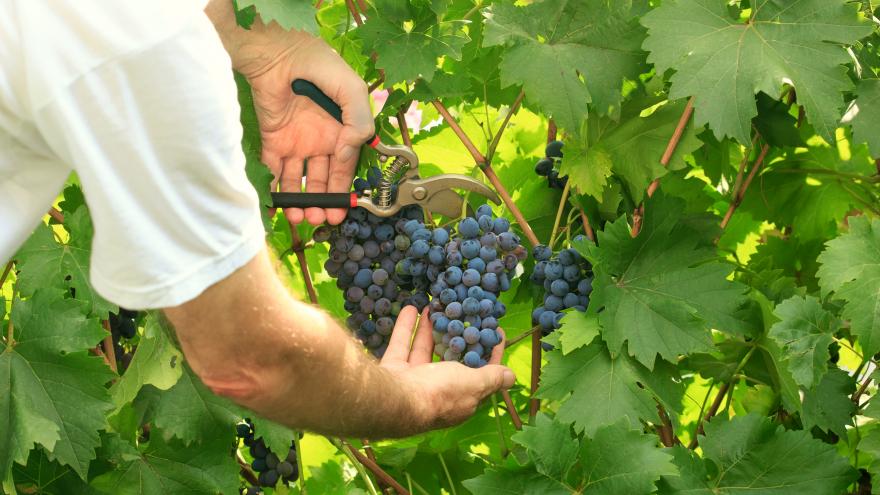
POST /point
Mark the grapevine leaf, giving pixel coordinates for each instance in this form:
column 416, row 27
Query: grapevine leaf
column 866, row 126
column 723, row 61
column 752, row 454
column 328, row 479
column 622, row 460
column 662, row 291
column 828, row 406
column 56, row 396
column 631, row 147
column 851, row 268
column 43, row 262
column 173, row 467
column 519, row 482
column 251, row 143
column 190, row 412
column 408, row 40
column 289, row 14
column 804, row 332
column 552, row 45
column 627, row 388
column 43, row 476
column 156, row 362
column 277, row 437
column 577, row 330
column 550, row 446
column 775, row 124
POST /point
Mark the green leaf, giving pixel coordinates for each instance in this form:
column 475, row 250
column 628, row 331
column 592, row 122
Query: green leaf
column 508, row 482
column 851, row 268
column 44, row 262
column 662, row 291
column 173, row 467
column 328, row 479
column 190, row 412
column 863, row 114
column 622, row 460
column 156, row 362
column 289, row 14
column 627, row 388
column 550, row 446
column 577, row 330
column 277, row 437
column 753, row 455
column 552, row 45
column 829, row 406
column 804, row 332
column 55, row 394
column 45, row 477
column 408, row 41
column 775, row 123
column 723, row 61
column 252, row 145
column 587, row 168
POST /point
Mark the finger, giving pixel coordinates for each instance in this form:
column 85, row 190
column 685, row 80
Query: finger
column 423, row 343
column 358, row 126
column 275, row 165
column 494, row 378
column 498, row 350
column 316, row 181
column 291, row 181
column 398, row 345
column 340, row 177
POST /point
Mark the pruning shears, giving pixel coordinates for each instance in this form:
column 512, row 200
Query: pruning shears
column 434, row 193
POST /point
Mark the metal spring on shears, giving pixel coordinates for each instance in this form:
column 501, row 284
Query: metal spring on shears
column 390, row 175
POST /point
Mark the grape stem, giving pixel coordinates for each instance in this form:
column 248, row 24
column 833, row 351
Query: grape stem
column 245, row 470
column 109, row 350
column 404, row 129
column 354, row 12
column 534, row 402
column 300, row 480
column 505, row 449
column 6, row 272
column 358, row 465
column 297, row 247
column 588, row 230
column 562, row 201
column 742, row 166
column 551, row 131
column 490, row 152
column 486, row 167
column 862, row 388
column 667, row 436
column 519, row 338
column 745, row 185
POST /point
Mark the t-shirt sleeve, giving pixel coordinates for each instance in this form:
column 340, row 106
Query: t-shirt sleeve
column 155, row 139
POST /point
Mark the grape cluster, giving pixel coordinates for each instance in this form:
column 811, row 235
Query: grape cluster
column 365, row 250
column 568, row 281
column 123, row 326
column 467, row 269
column 546, row 166
column 268, row 466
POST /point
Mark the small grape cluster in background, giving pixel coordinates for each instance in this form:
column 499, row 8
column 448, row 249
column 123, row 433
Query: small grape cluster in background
column 123, row 326
column 364, row 252
column 567, row 279
column 268, row 466
column 547, row 166
column 468, row 268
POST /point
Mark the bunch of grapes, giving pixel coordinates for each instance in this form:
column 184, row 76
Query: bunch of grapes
column 546, row 166
column 267, row 464
column 467, row 270
column 568, row 281
column 123, row 326
column 365, row 250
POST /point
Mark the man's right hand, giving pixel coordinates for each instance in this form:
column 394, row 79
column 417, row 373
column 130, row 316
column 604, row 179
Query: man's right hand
column 447, row 392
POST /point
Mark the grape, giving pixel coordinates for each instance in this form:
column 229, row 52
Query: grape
column 543, row 167
column 488, row 337
column 477, row 264
column 488, row 254
column 554, row 149
column 286, row 469
column 490, row 282
column 454, row 309
column 457, row 344
column 470, row 277
column 440, row 236
column 472, row 359
column 559, row 288
column 469, row 228
column 455, row 328
column 471, row 335
column 267, row 464
column 484, row 210
column 470, row 248
column 475, row 292
column 542, row 253
column 567, row 279
column 500, row 225
column 451, row 355
column 259, row 464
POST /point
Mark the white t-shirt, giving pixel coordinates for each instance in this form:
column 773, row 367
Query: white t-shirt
column 138, row 98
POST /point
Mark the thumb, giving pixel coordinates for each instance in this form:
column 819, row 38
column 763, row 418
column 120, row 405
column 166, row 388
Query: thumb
column 496, row 377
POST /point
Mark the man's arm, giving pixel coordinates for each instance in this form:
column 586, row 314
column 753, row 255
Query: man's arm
column 249, row 340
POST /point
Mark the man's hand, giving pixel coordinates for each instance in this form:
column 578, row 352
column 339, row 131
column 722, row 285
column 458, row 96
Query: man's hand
column 293, row 128
column 450, row 391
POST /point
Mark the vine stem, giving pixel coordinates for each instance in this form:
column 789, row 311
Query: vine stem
column 551, row 130
column 57, row 215
column 354, row 12
column 297, row 247
column 534, row 402
column 559, row 210
column 667, row 436
column 488, row 171
column 588, row 229
column 300, row 480
column 358, row 464
column 742, row 166
column 504, row 448
column 490, row 152
column 519, row 338
column 446, row 470
column 404, row 129
column 745, row 185
column 378, row 471
column 109, row 350
column 6, row 273
column 858, row 393
column 673, row 142
column 514, row 416
column 10, row 340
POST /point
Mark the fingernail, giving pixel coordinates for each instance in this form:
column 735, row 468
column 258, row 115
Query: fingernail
column 509, row 378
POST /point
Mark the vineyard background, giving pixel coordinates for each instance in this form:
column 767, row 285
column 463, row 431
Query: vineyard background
column 723, row 159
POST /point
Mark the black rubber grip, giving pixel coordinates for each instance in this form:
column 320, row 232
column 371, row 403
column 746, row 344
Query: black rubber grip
column 307, row 88
column 309, row 200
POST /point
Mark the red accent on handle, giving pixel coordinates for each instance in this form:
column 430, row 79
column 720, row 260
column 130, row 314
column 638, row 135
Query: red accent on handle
column 353, row 200
column 374, row 142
